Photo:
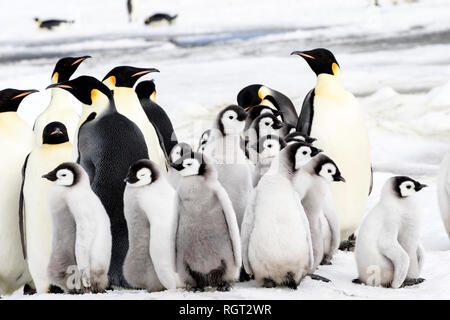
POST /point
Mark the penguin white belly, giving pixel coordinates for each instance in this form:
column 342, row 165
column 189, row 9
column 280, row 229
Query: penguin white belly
column 38, row 223
column 128, row 105
column 13, row 267
column 278, row 242
column 339, row 128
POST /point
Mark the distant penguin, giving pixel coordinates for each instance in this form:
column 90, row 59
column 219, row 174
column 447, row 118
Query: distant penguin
column 134, row 8
column 204, row 138
column 81, row 232
column 108, row 144
column 178, row 151
column 443, row 190
column 52, row 23
column 256, row 94
column 312, row 184
column 388, row 250
column 159, row 18
column 276, row 241
column 16, row 141
column 298, row 137
column 332, row 115
column 227, row 152
column 34, row 214
column 121, row 81
column 60, row 107
column 146, row 93
column 208, row 251
column 268, row 149
column 149, row 206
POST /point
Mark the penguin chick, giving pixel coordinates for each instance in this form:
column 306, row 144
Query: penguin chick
column 178, row 151
column 298, row 137
column 268, row 149
column 81, row 232
column 204, row 138
column 388, row 251
column 146, row 92
column 208, row 251
column 276, row 241
column 149, row 206
column 255, row 111
column 443, row 190
column 16, row 141
column 52, row 23
column 255, row 94
column 226, row 150
column 313, row 186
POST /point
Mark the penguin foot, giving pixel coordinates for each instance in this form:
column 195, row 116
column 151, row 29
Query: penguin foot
column 326, row 261
column 412, row 282
column 349, row 244
column 55, row 289
column 28, row 290
column 318, row 278
column 290, row 281
column 356, row 281
column 244, row 276
column 269, row 283
column 224, row 287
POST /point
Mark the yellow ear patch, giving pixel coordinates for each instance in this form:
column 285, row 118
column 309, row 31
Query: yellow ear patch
column 94, row 94
column 55, row 78
column 335, row 69
column 153, row 96
column 110, row 82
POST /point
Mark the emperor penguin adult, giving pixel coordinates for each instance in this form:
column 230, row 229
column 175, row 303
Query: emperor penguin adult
column 275, row 235
column 258, row 94
column 443, row 191
column 226, row 151
column 208, row 251
column 81, row 232
column 388, row 250
column 108, row 144
column 34, row 214
column 149, row 205
column 332, row 115
column 121, row 81
column 16, row 141
column 60, row 107
column 146, row 92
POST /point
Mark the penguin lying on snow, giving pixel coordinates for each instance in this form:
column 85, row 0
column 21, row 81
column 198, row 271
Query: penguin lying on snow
column 52, row 24
column 108, row 144
column 388, row 250
column 208, row 251
column 16, row 141
column 158, row 18
column 81, row 250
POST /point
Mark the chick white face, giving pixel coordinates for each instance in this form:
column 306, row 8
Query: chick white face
column 64, row 177
column 328, row 171
column 231, row 123
column 175, row 154
column 265, row 126
column 143, row 176
column 407, row 189
column 191, row 167
column 270, row 149
column 302, row 156
column 204, row 138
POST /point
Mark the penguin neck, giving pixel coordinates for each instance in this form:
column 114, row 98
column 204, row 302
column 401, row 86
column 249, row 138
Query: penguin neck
column 328, row 85
column 126, row 98
column 101, row 105
column 60, row 99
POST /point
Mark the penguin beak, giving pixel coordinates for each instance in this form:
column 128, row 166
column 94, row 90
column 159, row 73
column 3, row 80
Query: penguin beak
column 24, row 94
column 80, row 59
column 303, row 54
column 51, row 176
column 339, row 178
column 420, row 186
column 57, row 131
column 141, row 73
column 56, row 85
column 315, row 151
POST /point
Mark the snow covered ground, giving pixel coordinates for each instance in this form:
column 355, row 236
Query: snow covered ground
column 395, row 59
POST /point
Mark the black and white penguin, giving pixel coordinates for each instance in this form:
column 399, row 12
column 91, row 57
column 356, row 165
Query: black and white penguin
column 133, row 7
column 52, row 23
column 60, row 108
column 121, row 81
column 332, row 115
column 108, row 144
column 255, row 111
column 159, row 18
column 146, row 92
column 256, row 94
column 34, row 213
column 16, row 141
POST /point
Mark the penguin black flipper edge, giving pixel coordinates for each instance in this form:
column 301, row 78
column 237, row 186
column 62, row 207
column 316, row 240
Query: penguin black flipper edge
column 305, row 120
column 21, row 209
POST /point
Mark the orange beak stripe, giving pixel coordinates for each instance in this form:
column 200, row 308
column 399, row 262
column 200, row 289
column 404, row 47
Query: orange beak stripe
column 78, row 61
column 22, row 94
column 65, row 86
column 307, row 56
column 141, row 73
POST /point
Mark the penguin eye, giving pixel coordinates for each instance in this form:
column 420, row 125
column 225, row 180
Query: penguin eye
column 231, row 117
column 408, row 186
column 63, row 174
column 329, row 170
column 267, row 123
column 305, row 152
column 269, row 146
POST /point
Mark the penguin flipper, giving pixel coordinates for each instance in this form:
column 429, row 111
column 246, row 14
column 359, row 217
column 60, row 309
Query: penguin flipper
column 305, row 119
column 331, row 217
column 22, row 209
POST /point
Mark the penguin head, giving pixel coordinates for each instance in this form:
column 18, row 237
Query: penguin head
column 298, row 137
column 231, row 120
column 55, row 133
column 10, row 99
column 405, row 186
column 249, row 97
column 38, row 21
column 190, row 164
column 147, row 21
column 143, row 172
column 267, row 124
column 327, row 168
column 66, row 67
column 125, row 76
column 270, row 146
column 85, row 88
column 321, row 61
column 146, row 90
column 66, row 174
column 299, row 154
column 178, row 151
